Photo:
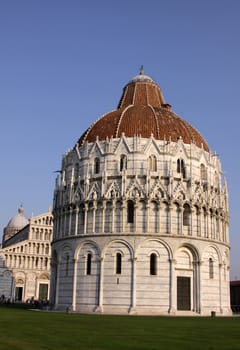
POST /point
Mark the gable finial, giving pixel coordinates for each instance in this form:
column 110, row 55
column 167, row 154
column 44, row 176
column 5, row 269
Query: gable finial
column 141, row 70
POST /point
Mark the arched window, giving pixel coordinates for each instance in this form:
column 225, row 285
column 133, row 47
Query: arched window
column 123, row 162
column 205, row 221
column 153, row 264
column 181, row 169
column 130, row 212
column 152, row 163
column 178, row 165
column 186, row 215
column 119, row 263
column 211, row 268
column 203, row 172
column 197, row 219
column 96, row 165
column 89, row 264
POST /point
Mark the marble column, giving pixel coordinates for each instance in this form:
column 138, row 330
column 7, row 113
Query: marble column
column 172, row 288
column 99, row 307
column 74, row 289
column 220, row 288
column 133, row 286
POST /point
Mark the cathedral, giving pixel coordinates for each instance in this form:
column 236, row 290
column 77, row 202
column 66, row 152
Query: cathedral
column 25, row 258
column 141, row 218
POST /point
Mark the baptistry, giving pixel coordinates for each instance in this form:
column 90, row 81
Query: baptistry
column 141, row 215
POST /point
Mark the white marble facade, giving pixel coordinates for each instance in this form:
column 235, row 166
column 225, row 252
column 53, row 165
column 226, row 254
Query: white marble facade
column 141, row 226
column 25, row 259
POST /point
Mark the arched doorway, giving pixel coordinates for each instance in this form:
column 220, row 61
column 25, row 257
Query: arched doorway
column 43, row 287
column 19, row 289
column 187, row 285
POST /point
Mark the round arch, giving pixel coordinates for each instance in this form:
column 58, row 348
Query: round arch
column 195, row 252
column 216, row 249
column 169, row 250
column 66, row 248
column 122, row 241
column 82, row 244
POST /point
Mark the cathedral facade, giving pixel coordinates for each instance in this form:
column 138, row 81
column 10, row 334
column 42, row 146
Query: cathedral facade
column 141, row 218
column 25, row 258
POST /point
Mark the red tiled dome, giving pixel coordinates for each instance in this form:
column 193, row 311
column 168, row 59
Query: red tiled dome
column 142, row 111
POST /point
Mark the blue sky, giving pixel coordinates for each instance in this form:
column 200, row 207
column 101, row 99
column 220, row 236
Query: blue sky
column 63, row 63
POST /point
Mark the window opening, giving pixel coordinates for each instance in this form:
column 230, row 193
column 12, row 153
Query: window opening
column 152, row 163
column 186, row 215
column 153, row 264
column 123, row 162
column 203, row 173
column 96, row 166
column 89, row 263
column 130, row 212
column 211, row 270
column 181, row 169
column 119, row 263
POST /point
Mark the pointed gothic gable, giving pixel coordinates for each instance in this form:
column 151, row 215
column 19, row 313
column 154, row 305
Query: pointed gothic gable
column 213, row 199
column 78, row 194
column 200, row 194
column 96, row 149
column 122, row 146
column 94, row 192
column 113, row 191
column 203, row 158
column 180, row 151
column 158, row 191
column 151, row 147
column 179, row 192
column 135, row 191
column 197, row 192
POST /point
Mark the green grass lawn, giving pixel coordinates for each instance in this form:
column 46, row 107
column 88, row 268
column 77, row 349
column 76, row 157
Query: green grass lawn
column 33, row 330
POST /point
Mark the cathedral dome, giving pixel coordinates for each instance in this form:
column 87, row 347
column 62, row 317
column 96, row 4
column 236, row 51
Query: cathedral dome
column 18, row 221
column 142, row 111
column 15, row 224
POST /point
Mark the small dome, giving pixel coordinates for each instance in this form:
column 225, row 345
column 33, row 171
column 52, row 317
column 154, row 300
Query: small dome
column 18, row 221
column 142, row 77
column 142, row 111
